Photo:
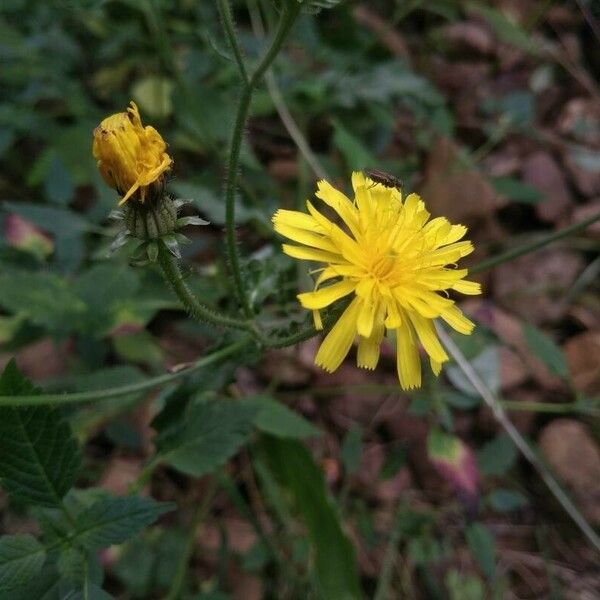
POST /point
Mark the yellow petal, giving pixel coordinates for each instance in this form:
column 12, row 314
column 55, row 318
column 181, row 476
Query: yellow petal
column 428, row 337
column 326, row 296
column 307, row 238
column 467, row 287
column 455, row 318
column 317, row 320
column 304, row 253
column 338, row 341
column 407, row 358
column 366, row 317
column 339, row 202
column 369, row 348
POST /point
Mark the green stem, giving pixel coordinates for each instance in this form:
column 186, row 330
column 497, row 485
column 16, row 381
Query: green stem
column 509, row 255
column 182, row 567
column 286, row 21
column 229, row 28
column 124, row 390
column 198, row 310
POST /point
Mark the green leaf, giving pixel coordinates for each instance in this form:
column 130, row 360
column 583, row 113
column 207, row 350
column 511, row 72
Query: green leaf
column 487, row 365
column 352, row 449
column 483, row 548
column 45, row 298
column 39, row 457
column 516, row 190
column 113, row 520
column 497, row 456
column 335, row 560
column 507, row 500
column 21, row 559
column 546, row 350
column 277, row 419
column 212, row 433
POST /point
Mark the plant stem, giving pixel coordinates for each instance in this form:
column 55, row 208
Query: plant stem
column 230, row 34
column 518, row 440
column 509, row 255
column 286, row 21
column 182, row 567
column 198, row 310
column 282, row 110
column 123, row 390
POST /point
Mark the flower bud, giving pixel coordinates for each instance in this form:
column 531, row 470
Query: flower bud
column 153, row 219
column 132, row 159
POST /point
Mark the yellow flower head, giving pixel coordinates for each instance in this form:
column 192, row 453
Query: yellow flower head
column 393, row 261
column 130, row 157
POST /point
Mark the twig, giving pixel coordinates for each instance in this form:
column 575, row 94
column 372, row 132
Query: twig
column 500, row 416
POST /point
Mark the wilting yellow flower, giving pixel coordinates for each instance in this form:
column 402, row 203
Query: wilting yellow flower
column 393, row 261
column 130, row 157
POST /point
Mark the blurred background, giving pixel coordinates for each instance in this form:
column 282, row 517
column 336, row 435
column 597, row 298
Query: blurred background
column 489, row 109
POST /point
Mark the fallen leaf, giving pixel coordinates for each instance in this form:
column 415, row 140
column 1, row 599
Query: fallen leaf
column 571, row 451
column 583, row 358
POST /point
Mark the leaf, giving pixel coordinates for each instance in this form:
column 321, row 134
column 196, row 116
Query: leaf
column 39, row 457
column 113, row 520
column 487, row 365
column 546, row 350
column 507, row 500
column 21, row 559
column 497, row 456
column 277, row 419
column 45, row 298
column 483, row 548
column 516, row 190
column 335, row 560
column 213, row 432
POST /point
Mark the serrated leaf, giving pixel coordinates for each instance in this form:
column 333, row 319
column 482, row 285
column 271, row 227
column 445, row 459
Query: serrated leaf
column 21, row 559
column 113, row 520
column 39, row 457
column 212, row 433
column 546, row 350
column 277, row 419
column 335, row 560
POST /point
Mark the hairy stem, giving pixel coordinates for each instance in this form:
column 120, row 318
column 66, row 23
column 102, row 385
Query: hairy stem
column 198, row 310
column 286, row 21
column 124, row 390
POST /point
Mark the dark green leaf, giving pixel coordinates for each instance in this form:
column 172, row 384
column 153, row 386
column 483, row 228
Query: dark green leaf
column 113, row 520
column 335, row 560
column 21, row 559
column 483, row 547
column 516, row 190
column 546, row 350
column 277, row 419
column 497, row 456
column 39, row 457
column 212, row 433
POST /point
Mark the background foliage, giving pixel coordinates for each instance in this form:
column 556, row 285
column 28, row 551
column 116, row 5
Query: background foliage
column 271, row 478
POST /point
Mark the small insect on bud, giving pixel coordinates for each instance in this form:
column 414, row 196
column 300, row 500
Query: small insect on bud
column 384, row 179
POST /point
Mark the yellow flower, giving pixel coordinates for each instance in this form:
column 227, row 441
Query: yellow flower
column 130, row 157
column 393, row 261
